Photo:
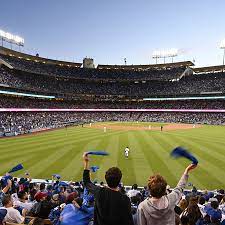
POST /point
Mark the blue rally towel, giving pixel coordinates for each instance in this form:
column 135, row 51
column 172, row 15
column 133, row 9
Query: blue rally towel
column 181, row 152
column 73, row 215
column 94, row 168
column 62, row 183
column 97, row 153
column 5, row 179
column 56, row 176
column 16, row 168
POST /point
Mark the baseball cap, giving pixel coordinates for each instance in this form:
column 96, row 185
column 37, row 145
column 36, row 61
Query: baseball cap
column 38, row 196
column 72, row 196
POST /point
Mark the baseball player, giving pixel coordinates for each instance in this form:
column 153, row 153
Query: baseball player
column 126, row 152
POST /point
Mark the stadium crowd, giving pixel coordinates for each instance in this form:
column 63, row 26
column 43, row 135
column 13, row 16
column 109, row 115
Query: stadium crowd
column 24, row 122
column 194, row 84
column 82, row 73
column 23, row 201
column 23, row 102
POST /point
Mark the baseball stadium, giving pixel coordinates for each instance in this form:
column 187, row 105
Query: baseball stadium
column 67, row 127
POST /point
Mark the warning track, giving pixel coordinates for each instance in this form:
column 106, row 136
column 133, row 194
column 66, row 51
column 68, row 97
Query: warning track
column 167, row 127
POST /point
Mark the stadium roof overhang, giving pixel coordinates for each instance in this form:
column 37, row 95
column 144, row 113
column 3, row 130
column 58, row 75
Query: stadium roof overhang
column 209, row 69
column 146, row 67
column 9, row 52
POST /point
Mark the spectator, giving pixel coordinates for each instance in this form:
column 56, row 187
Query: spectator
column 134, row 191
column 76, row 213
column 193, row 214
column 111, row 207
column 159, row 208
column 214, row 213
column 22, row 201
column 13, row 215
column 43, row 207
column 183, row 204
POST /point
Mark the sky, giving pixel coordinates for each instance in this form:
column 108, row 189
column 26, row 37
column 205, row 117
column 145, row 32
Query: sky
column 110, row 31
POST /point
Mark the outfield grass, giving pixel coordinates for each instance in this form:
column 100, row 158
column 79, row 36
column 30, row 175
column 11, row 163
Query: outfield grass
column 60, row 151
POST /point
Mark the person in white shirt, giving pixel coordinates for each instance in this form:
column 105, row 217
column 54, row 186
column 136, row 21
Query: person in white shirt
column 13, row 215
column 133, row 192
column 126, row 152
column 22, row 201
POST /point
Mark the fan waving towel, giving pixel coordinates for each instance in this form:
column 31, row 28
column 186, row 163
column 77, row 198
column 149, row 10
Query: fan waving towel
column 97, row 153
column 16, row 168
column 181, row 152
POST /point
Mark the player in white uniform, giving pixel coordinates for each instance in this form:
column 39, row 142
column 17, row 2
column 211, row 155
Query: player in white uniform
column 126, row 152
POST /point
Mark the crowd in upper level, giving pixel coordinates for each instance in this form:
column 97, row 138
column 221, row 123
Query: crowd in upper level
column 195, row 84
column 82, row 73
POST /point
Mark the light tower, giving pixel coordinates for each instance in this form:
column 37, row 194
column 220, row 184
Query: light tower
column 125, row 61
column 222, row 46
column 11, row 38
column 169, row 53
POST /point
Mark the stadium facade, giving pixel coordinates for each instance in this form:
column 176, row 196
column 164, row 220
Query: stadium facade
column 39, row 93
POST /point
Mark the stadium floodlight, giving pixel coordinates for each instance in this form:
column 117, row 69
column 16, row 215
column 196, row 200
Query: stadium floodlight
column 222, row 46
column 167, row 53
column 10, row 38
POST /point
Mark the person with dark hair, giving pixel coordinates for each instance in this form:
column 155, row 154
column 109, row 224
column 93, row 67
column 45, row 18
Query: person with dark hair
column 184, row 220
column 159, row 208
column 201, row 200
column 42, row 187
column 214, row 213
column 135, row 201
column 111, row 206
column 193, row 213
column 43, row 207
column 32, row 191
column 22, row 201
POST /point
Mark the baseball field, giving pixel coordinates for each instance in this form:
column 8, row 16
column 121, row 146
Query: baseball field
column 60, row 151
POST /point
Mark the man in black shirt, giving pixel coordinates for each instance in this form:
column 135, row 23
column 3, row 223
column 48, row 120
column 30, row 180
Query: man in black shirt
column 111, row 207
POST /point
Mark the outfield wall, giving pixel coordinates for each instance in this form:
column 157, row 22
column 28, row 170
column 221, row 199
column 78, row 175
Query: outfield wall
column 112, row 110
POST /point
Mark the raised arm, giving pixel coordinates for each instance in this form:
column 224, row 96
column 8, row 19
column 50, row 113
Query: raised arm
column 7, row 187
column 86, row 177
column 176, row 194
